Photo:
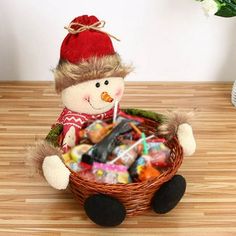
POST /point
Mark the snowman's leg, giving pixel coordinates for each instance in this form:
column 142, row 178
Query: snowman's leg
column 186, row 139
column 55, row 172
column 170, row 193
column 104, row 210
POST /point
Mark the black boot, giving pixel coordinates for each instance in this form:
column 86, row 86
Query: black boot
column 104, row 210
column 169, row 194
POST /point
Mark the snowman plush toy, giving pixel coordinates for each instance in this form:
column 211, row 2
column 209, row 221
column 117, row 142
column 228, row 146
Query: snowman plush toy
column 90, row 79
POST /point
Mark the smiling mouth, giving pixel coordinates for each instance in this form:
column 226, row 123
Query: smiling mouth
column 95, row 108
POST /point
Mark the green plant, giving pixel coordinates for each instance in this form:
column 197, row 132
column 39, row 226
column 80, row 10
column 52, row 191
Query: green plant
column 224, row 8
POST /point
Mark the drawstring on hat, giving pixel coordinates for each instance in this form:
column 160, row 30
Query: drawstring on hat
column 96, row 26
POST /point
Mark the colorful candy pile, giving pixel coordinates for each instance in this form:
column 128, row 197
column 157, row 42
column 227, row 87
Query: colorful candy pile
column 118, row 153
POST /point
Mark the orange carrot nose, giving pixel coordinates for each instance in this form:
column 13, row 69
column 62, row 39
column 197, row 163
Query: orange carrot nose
column 106, row 97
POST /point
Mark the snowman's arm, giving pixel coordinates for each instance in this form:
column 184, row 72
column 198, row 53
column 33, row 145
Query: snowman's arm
column 54, row 170
column 177, row 124
column 70, row 137
column 46, row 159
column 186, row 139
column 58, row 134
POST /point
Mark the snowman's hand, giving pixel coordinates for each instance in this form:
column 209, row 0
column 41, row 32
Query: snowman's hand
column 65, row 148
column 70, row 137
column 55, row 172
column 186, row 139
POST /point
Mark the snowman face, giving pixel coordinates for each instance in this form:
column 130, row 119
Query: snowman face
column 87, row 97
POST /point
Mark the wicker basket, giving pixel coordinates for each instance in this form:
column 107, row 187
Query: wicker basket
column 136, row 197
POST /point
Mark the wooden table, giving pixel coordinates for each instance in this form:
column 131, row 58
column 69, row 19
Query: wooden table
column 28, row 206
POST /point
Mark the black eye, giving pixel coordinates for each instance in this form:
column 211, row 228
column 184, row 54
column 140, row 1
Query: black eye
column 97, row 85
column 106, row 82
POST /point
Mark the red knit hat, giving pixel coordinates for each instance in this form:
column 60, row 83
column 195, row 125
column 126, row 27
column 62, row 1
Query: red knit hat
column 86, row 54
column 87, row 43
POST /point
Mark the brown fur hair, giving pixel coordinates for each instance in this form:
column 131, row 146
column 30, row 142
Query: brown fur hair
column 169, row 128
column 36, row 155
column 67, row 74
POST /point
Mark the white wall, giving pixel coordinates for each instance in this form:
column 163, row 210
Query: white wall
column 167, row 40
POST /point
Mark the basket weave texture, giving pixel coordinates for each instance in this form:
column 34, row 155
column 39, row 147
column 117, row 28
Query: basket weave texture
column 136, row 197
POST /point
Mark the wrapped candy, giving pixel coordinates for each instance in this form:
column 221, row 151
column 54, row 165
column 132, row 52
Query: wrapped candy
column 160, row 159
column 160, row 154
column 87, row 174
column 158, row 146
column 96, row 131
column 74, row 166
column 110, row 173
column 138, row 148
column 73, row 158
column 127, row 159
column 77, row 152
column 137, row 167
column 142, row 169
column 104, row 148
column 66, row 157
column 148, row 172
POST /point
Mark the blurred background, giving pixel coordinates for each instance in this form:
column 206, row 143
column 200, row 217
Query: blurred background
column 166, row 40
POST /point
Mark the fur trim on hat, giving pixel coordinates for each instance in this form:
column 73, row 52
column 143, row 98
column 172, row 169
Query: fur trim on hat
column 67, row 74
